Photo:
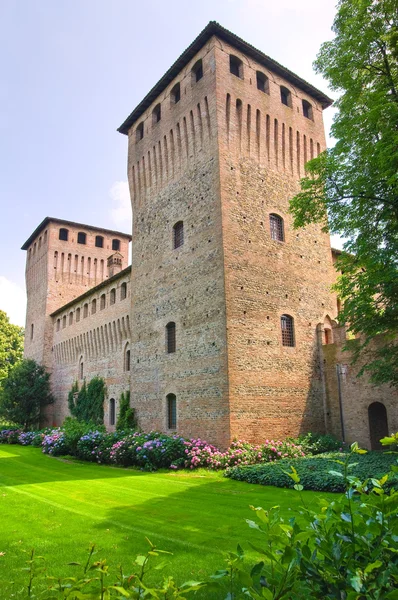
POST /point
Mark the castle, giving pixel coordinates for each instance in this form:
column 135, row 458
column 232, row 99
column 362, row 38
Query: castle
column 224, row 325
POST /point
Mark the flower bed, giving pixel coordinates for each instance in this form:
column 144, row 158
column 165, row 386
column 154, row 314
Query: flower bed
column 150, row 451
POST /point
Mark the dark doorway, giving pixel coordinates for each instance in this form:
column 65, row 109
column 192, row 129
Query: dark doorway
column 378, row 425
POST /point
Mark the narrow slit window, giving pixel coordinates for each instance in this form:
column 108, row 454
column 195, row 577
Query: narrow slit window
column 102, row 302
column 112, row 296
column 139, row 132
column 123, row 291
column 276, row 228
column 64, row 322
column 262, row 82
column 81, row 369
column 286, row 96
column 71, row 318
column 112, row 411
column 85, row 311
column 170, row 337
column 31, row 331
column 63, row 234
column 81, row 237
column 171, row 411
column 235, row 66
column 99, row 241
column 175, row 94
column 307, row 110
column 58, row 324
column 197, row 71
column 156, row 114
column 127, row 359
column 178, row 234
column 77, row 315
column 93, row 307
column 287, row 329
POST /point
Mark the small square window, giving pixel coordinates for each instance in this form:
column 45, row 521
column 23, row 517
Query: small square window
column 81, row 237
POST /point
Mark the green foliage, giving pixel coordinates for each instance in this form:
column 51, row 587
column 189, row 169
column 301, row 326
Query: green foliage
column 25, row 393
column 88, row 403
column 95, row 579
column 318, row 473
column 126, row 419
column 317, row 443
column 11, row 345
column 352, row 189
column 73, row 430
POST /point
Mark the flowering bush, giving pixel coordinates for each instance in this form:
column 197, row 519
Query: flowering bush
column 33, row 438
column 149, row 451
column 54, row 443
column 96, row 446
column 9, row 436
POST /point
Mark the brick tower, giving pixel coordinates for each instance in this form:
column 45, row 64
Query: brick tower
column 226, row 295
column 64, row 259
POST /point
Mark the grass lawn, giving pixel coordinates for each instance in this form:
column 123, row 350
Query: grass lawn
column 58, row 507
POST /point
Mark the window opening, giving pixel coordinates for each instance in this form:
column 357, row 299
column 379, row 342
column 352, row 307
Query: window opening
column 99, row 241
column 93, row 307
column 116, row 245
column 262, row 82
column 112, row 296
column 175, row 94
column 171, row 411
column 307, row 110
column 139, row 132
column 123, row 291
column 102, row 302
column 178, row 234
column 171, row 337
column 287, row 330
column 197, row 71
column 63, row 234
column 112, row 411
column 85, row 311
column 276, row 227
column 81, row 237
column 156, row 114
column 286, row 97
column 236, row 66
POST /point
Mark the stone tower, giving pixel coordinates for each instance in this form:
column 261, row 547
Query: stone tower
column 64, row 259
column 226, row 296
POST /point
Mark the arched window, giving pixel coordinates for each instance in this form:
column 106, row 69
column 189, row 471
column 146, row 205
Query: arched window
column 85, row 311
column 287, row 328
column 93, row 307
column 127, row 358
column 81, row 237
column 63, row 234
column 58, row 324
column 116, row 245
column 286, row 96
column 112, row 411
column 197, row 71
column 171, row 411
column 276, row 228
column 139, row 132
column 156, row 114
column 102, row 302
column 81, row 368
column 307, row 110
column 175, row 94
column 236, row 66
column 99, row 241
column 112, row 296
column 77, row 315
column 171, row 337
column 178, row 234
column 71, row 318
column 31, row 331
column 123, row 291
column 64, row 322
column 262, row 82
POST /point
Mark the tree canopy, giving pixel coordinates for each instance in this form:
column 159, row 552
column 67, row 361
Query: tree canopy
column 352, row 188
column 11, row 345
column 24, row 394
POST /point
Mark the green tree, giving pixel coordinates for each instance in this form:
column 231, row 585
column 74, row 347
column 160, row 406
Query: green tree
column 352, row 188
column 11, row 345
column 24, row 394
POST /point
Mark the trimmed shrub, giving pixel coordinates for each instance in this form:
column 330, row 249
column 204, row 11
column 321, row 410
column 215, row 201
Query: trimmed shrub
column 319, row 473
column 318, row 443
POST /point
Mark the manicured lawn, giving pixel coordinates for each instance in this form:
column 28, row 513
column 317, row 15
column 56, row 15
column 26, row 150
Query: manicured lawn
column 59, row 507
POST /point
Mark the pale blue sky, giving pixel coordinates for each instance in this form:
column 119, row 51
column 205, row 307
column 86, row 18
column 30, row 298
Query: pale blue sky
column 72, row 71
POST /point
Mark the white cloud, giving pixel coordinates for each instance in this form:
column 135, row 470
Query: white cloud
column 13, row 301
column 120, row 213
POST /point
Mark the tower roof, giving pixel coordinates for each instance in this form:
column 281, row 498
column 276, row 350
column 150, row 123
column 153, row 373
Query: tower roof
column 213, row 28
column 48, row 220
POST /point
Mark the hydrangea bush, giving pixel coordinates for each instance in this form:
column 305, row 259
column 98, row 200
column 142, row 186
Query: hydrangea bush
column 149, row 451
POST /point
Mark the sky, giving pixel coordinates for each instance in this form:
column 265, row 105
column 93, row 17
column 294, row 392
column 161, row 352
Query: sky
column 73, row 70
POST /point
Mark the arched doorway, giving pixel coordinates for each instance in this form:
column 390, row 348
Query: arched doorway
column 378, row 425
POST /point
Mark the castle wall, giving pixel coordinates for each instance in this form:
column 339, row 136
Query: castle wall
column 356, row 394
column 275, row 390
column 174, row 176
column 99, row 340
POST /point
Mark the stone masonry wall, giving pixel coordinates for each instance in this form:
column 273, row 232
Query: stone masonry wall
column 174, row 176
column 99, row 340
column 275, row 391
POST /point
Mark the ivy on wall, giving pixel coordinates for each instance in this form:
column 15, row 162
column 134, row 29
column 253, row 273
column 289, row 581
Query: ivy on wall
column 126, row 418
column 87, row 404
